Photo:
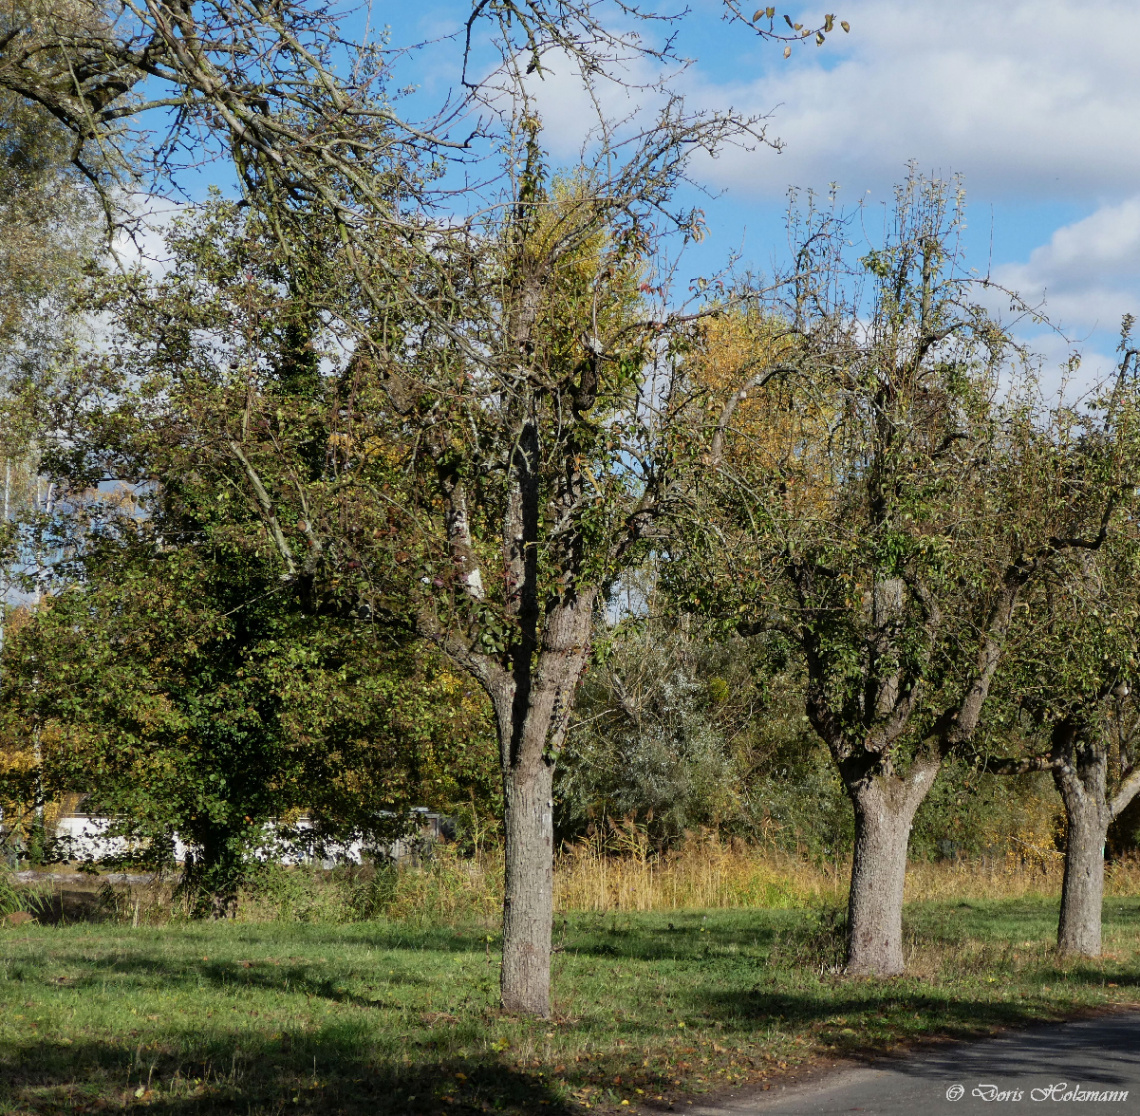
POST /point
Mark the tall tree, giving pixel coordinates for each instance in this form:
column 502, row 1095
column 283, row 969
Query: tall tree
column 185, row 696
column 1068, row 688
column 486, row 507
column 175, row 675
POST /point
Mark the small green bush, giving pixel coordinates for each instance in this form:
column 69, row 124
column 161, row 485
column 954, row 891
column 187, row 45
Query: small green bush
column 303, row 893
column 13, row 898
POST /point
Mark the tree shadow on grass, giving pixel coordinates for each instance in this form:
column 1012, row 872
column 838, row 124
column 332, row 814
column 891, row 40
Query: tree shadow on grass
column 800, row 1009
column 327, row 1070
column 1085, row 974
column 1102, row 1052
column 875, row 1021
column 681, row 940
column 304, row 978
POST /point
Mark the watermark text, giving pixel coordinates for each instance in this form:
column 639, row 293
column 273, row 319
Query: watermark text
column 1057, row 1091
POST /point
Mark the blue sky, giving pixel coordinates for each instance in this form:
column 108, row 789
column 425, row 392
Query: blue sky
column 1035, row 104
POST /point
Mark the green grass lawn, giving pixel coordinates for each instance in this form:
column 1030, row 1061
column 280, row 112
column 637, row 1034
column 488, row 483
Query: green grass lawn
column 380, row 1017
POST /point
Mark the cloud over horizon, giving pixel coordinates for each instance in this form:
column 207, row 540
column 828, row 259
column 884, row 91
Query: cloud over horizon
column 1026, row 100
column 1087, row 274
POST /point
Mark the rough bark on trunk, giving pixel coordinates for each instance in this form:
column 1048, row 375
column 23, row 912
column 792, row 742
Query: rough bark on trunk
column 1082, row 895
column 1083, row 788
column 885, row 802
column 884, row 810
column 528, row 902
column 533, row 712
column 1079, row 762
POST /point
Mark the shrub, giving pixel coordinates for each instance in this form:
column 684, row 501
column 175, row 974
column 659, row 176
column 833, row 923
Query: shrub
column 13, row 898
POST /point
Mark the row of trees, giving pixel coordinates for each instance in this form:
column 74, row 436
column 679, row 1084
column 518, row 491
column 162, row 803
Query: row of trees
column 897, row 498
column 349, row 422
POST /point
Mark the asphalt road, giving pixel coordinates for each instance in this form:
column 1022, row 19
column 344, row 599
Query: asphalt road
column 1093, row 1065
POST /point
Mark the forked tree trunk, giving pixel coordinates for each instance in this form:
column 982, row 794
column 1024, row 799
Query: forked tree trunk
column 1079, row 762
column 528, row 901
column 884, row 802
column 1087, row 815
column 884, row 811
column 533, row 710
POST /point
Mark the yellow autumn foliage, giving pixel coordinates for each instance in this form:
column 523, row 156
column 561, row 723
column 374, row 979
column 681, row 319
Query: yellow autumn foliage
column 778, row 435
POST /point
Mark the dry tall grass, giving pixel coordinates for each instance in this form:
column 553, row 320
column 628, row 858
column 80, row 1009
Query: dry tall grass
column 615, row 869
column 1018, row 872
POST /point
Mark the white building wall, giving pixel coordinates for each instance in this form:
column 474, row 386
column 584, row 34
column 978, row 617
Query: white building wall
column 86, row 838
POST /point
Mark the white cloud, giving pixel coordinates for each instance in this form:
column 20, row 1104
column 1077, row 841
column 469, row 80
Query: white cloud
column 1024, row 98
column 1063, row 378
column 1028, row 99
column 142, row 237
column 1035, row 102
column 1088, row 274
column 1032, row 102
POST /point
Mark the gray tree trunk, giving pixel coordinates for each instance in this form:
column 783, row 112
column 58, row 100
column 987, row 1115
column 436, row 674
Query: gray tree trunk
column 1082, row 894
column 1079, row 762
column 884, row 810
column 532, row 709
column 528, row 903
column 1087, row 812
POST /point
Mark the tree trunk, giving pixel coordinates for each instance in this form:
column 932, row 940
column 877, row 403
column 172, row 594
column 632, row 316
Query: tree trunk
column 884, row 810
column 1087, row 815
column 533, row 713
column 211, row 874
column 528, row 901
column 1082, row 894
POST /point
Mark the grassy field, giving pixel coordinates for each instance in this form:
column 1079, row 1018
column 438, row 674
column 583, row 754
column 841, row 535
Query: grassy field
column 381, row 1017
